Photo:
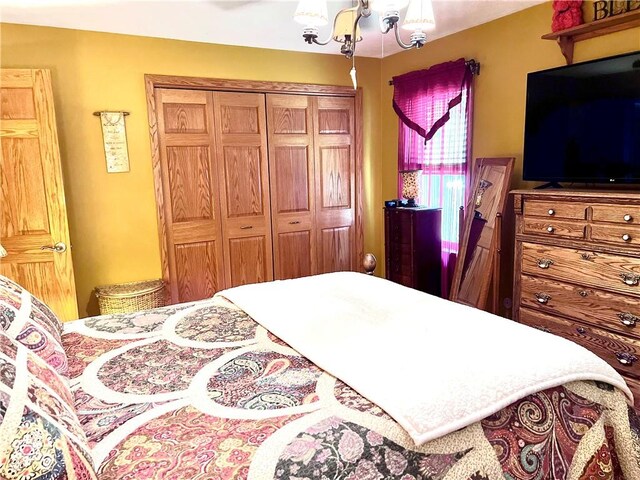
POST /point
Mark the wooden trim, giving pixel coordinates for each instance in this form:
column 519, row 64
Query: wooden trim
column 359, row 144
column 254, row 86
column 150, row 90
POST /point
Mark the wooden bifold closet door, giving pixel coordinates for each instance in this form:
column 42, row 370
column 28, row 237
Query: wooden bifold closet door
column 254, row 187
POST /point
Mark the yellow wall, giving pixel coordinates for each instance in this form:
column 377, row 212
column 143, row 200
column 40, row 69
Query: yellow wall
column 507, row 49
column 112, row 217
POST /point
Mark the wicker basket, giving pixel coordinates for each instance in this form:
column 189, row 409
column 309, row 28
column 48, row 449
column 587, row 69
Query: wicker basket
column 131, row 297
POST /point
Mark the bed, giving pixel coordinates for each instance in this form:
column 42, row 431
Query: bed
column 203, row 391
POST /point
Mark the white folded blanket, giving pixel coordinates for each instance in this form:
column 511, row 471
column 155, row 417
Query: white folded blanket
column 433, row 365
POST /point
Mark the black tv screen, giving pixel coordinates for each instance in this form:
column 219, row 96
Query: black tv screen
column 583, row 122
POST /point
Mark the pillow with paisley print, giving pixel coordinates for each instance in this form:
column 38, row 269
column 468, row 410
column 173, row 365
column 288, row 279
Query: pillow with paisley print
column 40, row 434
column 29, row 321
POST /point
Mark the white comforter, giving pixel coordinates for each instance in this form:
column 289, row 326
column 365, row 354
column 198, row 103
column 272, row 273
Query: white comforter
column 433, row 365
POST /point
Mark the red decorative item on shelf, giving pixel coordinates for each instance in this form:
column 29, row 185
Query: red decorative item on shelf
column 566, row 14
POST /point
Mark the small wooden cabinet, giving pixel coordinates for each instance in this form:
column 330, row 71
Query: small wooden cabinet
column 412, row 247
column 577, row 271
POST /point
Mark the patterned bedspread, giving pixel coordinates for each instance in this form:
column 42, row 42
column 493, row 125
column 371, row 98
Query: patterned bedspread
column 201, row 391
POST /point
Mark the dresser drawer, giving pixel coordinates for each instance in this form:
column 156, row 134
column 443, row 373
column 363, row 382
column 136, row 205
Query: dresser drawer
column 628, row 215
column 399, row 227
column 620, row 352
column 566, row 210
column 601, row 270
column 554, row 228
column 401, row 264
column 616, row 312
column 620, row 235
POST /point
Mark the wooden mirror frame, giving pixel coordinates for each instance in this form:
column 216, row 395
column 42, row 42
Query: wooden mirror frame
column 489, row 269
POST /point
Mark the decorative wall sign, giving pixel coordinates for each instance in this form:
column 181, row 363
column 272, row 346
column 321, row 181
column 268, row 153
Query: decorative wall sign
column 114, row 137
column 611, row 8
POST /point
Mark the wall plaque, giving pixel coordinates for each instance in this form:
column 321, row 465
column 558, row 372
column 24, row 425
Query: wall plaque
column 114, row 137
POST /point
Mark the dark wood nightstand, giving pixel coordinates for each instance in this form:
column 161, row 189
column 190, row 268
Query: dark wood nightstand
column 412, row 247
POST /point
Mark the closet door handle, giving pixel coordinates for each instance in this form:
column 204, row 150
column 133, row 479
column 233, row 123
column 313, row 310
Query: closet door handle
column 59, row 247
column 246, row 227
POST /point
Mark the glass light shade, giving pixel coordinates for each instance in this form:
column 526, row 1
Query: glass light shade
column 312, row 13
column 410, row 184
column 419, row 16
column 344, row 25
column 383, row 6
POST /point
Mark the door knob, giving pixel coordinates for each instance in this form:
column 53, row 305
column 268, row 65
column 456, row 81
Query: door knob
column 59, row 247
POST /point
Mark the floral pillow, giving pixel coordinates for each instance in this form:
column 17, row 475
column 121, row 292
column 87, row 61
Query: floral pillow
column 29, row 321
column 40, row 434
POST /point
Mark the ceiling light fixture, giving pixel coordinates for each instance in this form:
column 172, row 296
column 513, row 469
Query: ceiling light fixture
column 346, row 30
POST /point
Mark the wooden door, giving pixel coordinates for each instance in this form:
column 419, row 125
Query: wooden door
column 190, row 194
column 335, row 175
column 291, row 171
column 33, row 211
column 243, row 171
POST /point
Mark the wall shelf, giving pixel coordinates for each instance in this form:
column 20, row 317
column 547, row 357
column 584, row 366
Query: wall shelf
column 566, row 38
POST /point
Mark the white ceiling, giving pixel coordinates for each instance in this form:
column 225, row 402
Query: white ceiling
column 256, row 23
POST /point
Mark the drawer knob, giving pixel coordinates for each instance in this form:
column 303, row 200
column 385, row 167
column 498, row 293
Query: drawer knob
column 627, row 218
column 542, row 298
column 550, row 229
column 626, row 358
column 545, row 262
column 626, row 237
column 551, row 211
column 583, row 293
column 628, row 319
column 581, row 330
column 586, row 256
column 630, row 279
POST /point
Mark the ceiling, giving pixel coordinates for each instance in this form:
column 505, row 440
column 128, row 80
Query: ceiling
column 256, row 23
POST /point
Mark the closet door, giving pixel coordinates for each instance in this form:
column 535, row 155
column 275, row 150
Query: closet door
column 190, row 185
column 334, row 134
column 291, row 171
column 241, row 159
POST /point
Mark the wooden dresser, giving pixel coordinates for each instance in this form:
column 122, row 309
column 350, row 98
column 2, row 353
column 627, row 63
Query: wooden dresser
column 412, row 247
column 577, row 271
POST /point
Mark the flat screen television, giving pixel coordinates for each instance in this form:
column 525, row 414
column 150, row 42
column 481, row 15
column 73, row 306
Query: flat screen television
column 582, row 122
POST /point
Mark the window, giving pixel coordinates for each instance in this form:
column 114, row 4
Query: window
column 443, row 159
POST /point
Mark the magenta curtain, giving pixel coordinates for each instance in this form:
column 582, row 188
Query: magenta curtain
column 434, row 108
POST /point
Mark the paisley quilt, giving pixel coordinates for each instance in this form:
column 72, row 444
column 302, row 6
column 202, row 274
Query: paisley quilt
column 201, row 391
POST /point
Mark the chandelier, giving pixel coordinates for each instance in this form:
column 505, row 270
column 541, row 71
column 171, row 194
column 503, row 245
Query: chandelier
column 346, row 30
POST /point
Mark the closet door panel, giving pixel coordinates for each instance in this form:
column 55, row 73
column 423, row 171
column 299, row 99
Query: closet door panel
column 249, row 260
column 243, row 171
column 190, row 184
column 290, row 127
column 334, row 143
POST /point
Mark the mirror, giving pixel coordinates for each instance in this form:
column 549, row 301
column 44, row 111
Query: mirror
column 478, row 253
